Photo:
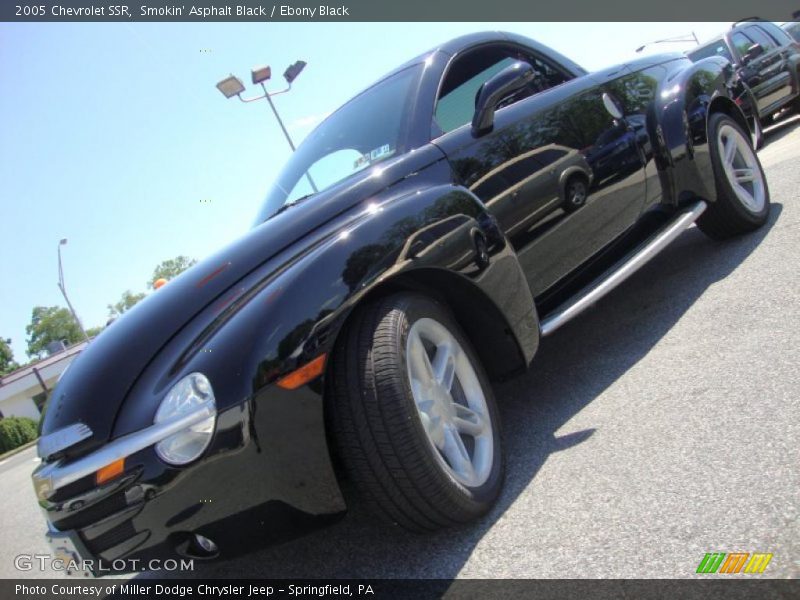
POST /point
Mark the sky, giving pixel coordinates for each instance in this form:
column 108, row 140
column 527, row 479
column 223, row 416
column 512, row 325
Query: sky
column 114, row 136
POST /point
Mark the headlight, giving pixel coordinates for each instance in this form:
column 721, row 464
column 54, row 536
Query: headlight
column 190, row 394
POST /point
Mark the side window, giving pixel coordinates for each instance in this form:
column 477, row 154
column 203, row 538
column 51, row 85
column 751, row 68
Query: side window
column 456, row 102
column 741, row 42
column 455, row 108
column 551, row 75
column 759, row 36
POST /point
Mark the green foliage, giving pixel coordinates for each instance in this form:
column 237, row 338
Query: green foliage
column 16, row 431
column 7, row 363
column 53, row 323
column 94, row 331
column 128, row 301
column 50, row 324
column 169, row 269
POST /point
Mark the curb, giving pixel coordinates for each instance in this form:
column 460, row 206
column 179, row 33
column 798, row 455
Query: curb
column 17, row 450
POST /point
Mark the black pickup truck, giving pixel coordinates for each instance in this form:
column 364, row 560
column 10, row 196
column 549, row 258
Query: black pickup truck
column 767, row 63
column 416, row 247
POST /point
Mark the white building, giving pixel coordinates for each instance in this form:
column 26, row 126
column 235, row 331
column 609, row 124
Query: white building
column 23, row 392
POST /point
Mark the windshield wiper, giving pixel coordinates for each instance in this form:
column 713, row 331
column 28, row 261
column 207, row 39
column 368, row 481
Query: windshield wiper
column 292, row 203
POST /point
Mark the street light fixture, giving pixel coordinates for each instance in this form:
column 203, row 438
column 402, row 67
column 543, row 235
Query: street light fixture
column 261, row 74
column 691, row 37
column 63, row 289
column 232, row 86
column 292, row 71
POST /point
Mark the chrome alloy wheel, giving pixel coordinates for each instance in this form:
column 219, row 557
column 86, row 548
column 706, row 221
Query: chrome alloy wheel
column 741, row 168
column 450, row 402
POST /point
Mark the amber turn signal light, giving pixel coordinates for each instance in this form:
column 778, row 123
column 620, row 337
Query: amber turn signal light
column 304, row 374
column 111, row 471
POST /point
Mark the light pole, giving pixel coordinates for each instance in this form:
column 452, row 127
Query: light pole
column 232, row 86
column 690, row 37
column 63, row 242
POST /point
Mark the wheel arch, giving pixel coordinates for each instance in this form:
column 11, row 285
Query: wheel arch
column 725, row 105
column 484, row 324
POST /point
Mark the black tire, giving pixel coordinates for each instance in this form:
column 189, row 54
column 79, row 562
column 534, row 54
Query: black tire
column 377, row 430
column 730, row 215
column 576, row 190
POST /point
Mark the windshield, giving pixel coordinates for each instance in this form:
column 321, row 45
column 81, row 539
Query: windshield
column 793, row 29
column 715, row 48
column 367, row 130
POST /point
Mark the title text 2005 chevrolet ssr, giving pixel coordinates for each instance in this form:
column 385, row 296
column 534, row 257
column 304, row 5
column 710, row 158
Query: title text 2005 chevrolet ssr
column 417, row 246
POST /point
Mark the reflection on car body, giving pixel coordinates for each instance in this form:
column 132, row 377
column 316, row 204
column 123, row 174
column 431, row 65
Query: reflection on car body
column 618, row 150
column 542, row 175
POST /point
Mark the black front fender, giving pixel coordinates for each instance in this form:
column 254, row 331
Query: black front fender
column 441, row 234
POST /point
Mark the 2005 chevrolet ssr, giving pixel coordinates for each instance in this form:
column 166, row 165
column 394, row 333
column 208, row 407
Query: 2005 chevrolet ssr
column 417, row 246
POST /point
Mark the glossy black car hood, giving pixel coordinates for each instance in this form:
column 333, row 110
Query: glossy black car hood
column 98, row 381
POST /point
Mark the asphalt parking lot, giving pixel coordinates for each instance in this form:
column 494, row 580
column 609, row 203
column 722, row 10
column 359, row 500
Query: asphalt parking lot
column 661, row 425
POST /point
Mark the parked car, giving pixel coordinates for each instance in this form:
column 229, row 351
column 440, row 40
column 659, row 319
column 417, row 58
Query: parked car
column 767, row 62
column 532, row 175
column 618, row 149
column 793, row 29
column 355, row 331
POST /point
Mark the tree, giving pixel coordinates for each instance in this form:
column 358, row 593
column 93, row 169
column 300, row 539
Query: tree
column 128, row 301
column 94, row 331
column 169, row 269
column 50, row 324
column 7, row 363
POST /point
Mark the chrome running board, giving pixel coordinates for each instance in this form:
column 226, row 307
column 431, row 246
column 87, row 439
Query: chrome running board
column 583, row 300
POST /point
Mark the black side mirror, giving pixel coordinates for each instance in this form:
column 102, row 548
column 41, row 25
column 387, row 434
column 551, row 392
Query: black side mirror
column 753, row 51
column 506, row 82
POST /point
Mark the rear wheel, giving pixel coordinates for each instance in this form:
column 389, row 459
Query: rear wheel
column 742, row 193
column 413, row 415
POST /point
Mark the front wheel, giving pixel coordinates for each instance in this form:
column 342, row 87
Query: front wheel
column 575, row 192
column 742, row 193
column 413, row 415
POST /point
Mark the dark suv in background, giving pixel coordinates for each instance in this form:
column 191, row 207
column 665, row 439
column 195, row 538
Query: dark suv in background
column 767, row 61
